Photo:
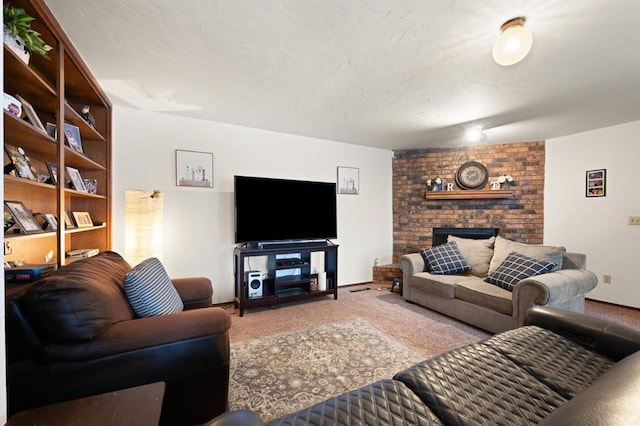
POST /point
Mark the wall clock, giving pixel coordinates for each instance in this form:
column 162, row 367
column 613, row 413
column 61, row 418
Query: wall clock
column 472, row 175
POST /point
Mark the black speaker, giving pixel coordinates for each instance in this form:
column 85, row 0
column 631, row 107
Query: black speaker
column 254, row 284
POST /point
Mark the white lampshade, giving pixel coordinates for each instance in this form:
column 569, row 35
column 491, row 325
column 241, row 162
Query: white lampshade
column 514, row 42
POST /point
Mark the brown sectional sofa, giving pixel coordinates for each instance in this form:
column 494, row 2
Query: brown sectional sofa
column 469, row 298
column 560, row 368
column 74, row 334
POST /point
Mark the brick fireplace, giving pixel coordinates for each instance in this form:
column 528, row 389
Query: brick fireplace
column 519, row 218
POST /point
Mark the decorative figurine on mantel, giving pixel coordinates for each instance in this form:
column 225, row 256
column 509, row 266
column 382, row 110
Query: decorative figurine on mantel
column 435, row 184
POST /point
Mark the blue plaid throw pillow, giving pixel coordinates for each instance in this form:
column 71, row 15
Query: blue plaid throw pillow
column 517, row 267
column 445, row 259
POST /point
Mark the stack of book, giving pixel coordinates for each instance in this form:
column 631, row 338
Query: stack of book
column 80, row 253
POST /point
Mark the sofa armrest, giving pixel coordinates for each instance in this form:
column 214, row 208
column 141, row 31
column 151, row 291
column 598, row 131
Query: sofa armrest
column 613, row 399
column 195, row 292
column 140, row 333
column 551, row 288
column 612, row 340
column 410, row 264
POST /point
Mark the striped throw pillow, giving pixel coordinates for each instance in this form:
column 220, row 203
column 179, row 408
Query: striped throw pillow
column 150, row 290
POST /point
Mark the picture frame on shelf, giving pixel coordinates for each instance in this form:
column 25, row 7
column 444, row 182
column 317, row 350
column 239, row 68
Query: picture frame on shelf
column 76, row 179
column 68, row 223
column 72, row 137
column 20, row 163
column 82, row 219
column 596, row 183
column 348, row 180
column 31, row 114
column 194, row 168
column 91, row 185
column 53, row 172
column 52, row 130
column 23, row 217
column 51, row 220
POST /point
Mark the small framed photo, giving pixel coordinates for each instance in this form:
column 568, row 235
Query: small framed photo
column 21, row 164
column 82, row 219
column 72, row 137
column 53, row 172
column 194, row 168
column 76, row 179
column 91, row 185
column 596, row 183
column 52, row 221
column 31, row 114
column 68, row 223
column 52, row 130
column 348, row 180
column 23, row 217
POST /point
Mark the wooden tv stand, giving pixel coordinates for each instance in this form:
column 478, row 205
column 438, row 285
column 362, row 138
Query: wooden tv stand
column 287, row 271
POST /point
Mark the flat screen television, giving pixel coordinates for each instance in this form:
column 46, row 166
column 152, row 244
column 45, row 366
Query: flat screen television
column 270, row 210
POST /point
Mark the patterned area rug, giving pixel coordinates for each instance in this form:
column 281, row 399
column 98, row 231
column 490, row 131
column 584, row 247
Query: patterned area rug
column 284, row 373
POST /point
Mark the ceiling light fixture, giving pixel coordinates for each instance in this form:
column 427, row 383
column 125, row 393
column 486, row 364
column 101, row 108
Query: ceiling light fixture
column 475, row 133
column 514, row 42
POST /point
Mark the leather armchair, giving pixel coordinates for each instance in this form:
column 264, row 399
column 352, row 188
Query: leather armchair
column 73, row 334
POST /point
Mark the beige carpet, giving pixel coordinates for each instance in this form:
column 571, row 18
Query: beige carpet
column 286, row 372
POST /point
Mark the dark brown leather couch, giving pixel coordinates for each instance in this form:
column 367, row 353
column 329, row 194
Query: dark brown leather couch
column 561, row 368
column 73, row 334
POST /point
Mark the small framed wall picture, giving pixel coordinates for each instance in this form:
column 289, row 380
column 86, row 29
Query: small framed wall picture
column 82, row 219
column 348, row 180
column 194, row 168
column 23, row 217
column 20, row 163
column 596, row 183
column 76, row 179
column 72, row 137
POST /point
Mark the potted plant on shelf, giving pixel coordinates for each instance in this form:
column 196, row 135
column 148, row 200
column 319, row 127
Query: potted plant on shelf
column 19, row 35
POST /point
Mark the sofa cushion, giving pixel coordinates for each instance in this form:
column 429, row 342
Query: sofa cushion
column 386, row 402
column 81, row 300
column 150, row 290
column 480, row 293
column 441, row 285
column 565, row 366
column 445, row 259
column 503, row 247
column 477, row 385
column 477, row 252
column 515, row 268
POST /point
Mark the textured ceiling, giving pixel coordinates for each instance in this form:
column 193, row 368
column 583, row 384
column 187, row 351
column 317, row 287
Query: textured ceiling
column 385, row 73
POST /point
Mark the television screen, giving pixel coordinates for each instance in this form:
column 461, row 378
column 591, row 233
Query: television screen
column 268, row 209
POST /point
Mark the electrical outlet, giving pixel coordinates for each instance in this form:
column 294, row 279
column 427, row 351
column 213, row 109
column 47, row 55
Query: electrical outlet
column 634, row 220
column 8, row 249
column 606, row 279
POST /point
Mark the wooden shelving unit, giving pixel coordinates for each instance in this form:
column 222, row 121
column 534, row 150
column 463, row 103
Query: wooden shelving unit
column 57, row 87
column 482, row 194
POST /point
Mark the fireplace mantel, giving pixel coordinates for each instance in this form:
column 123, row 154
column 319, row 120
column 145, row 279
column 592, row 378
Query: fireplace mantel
column 469, row 194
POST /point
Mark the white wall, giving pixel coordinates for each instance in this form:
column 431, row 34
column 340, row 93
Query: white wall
column 198, row 223
column 597, row 226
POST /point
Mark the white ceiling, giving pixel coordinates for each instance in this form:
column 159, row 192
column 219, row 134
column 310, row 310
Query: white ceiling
column 385, row 73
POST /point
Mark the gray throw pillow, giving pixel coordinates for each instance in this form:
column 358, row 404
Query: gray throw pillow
column 477, row 252
column 503, row 247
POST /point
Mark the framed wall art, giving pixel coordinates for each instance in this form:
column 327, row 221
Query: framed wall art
column 348, row 180
column 31, row 114
column 72, row 137
column 23, row 217
column 596, row 183
column 194, row 168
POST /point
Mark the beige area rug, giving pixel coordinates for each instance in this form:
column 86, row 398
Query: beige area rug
column 286, row 372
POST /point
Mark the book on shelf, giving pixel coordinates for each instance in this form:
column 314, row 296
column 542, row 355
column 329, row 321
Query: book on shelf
column 28, row 273
column 80, row 253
